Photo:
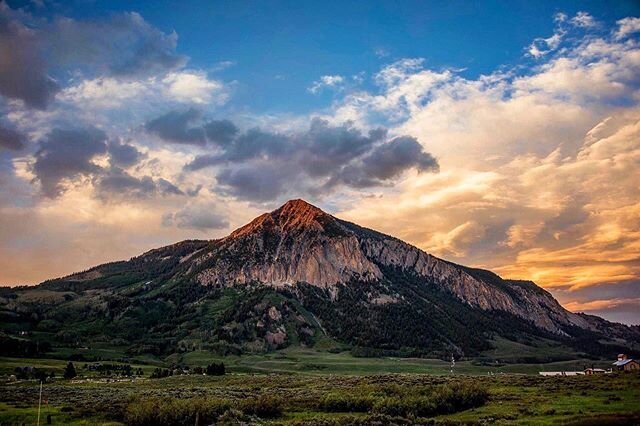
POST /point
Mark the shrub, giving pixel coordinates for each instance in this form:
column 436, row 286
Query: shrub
column 215, row 369
column 337, row 402
column 266, row 406
column 70, row 371
column 174, row 412
column 443, row 399
column 393, row 406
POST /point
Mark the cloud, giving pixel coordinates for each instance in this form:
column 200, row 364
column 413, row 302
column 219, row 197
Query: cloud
column 114, row 93
column 615, row 301
column 106, row 92
column 583, row 20
column 200, row 217
column 124, row 155
column 116, row 183
column 123, row 46
column 220, row 132
column 175, row 126
column 539, row 165
column 23, row 72
column 385, row 162
column 626, row 27
column 11, row 139
column 193, row 87
column 85, row 157
column 263, row 181
column 66, row 154
column 542, row 46
column 456, row 241
column 260, row 165
column 388, row 160
column 618, row 310
column 326, row 81
column 600, row 304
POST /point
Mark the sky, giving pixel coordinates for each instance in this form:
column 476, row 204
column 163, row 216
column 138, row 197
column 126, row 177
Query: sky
column 502, row 135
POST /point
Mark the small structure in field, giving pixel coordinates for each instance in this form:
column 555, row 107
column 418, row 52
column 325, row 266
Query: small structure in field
column 592, row 371
column 626, row 364
column 586, row 372
column 561, row 373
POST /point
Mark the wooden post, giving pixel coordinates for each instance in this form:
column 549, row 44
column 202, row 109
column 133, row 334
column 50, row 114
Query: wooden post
column 39, row 402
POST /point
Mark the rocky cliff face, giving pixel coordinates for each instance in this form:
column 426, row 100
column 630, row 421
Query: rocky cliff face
column 300, row 243
column 295, row 243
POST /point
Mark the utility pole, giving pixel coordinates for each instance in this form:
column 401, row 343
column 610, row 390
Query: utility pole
column 39, row 402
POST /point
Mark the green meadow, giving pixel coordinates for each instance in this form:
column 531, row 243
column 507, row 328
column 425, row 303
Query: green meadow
column 304, row 386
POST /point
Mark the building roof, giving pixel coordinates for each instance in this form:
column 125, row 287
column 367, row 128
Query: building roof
column 622, row 362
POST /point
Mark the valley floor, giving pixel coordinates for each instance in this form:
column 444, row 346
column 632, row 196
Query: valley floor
column 306, row 387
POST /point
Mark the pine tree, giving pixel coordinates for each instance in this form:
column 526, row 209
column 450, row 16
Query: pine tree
column 70, row 371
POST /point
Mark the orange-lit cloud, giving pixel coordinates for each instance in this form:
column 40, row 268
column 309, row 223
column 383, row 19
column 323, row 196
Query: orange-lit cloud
column 539, row 184
column 598, row 305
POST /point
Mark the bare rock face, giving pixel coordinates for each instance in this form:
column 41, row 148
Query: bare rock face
column 300, row 243
column 296, row 243
column 537, row 306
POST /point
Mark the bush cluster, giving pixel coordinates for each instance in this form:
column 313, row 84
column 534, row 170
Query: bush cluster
column 159, row 411
column 341, row 403
column 389, row 402
column 265, row 406
column 442, row 399
column 175, row 412
column 215, row 369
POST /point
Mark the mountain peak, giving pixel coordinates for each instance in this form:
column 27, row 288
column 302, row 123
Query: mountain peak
column 292, row 215
column 297, row 203
column 298, row 212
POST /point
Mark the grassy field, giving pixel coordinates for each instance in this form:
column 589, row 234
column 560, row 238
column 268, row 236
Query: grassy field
column 302, row 399
column 303, row 386
column 298, row 360
column 308, row 361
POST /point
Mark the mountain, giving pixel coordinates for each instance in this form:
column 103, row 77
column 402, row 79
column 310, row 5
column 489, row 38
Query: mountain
column 299, row 276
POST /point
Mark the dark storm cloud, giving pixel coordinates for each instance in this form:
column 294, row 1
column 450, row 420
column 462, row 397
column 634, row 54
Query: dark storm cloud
column 260, row 165
column 220, row 132
column 201, row 218
column 118, row 183
column 124, row 155
column 23, row 71
column 11, row 139
column 384, row 162
column 327, row 148
column 251, row 145
column 123, row 46
column 177, row 127
column 262, row 181
column 67, row 154
column 388, row 160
